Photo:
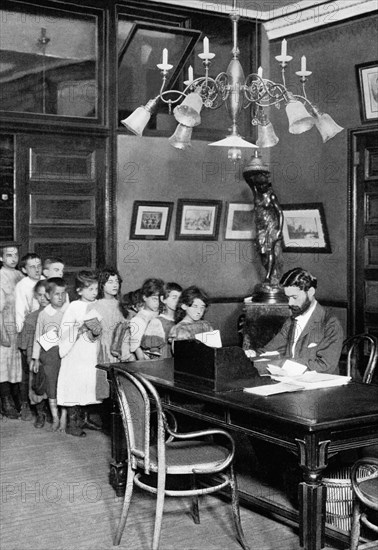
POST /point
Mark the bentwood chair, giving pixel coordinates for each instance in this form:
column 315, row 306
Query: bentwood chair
column 167, row 452
column 355, row 348
column 365, row 499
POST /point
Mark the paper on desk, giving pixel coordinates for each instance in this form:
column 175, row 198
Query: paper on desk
column 273, row 389
column 49, row 339
column 312, row 380
column 289, row 368
column 211, row 338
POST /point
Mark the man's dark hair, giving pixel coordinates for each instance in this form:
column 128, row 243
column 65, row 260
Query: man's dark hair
column 299, row 277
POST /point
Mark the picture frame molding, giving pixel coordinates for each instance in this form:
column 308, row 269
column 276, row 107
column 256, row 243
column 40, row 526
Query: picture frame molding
column 229, row 233
column 366, row 112
column 138, row 233
column 183, row 205
column 326, row 247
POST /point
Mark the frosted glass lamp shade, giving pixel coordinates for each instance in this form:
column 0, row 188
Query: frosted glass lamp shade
column 180, row 139
column 188, row 112
column 137, row 121
column 299, row 118
column 327, row 127
column 266, row 135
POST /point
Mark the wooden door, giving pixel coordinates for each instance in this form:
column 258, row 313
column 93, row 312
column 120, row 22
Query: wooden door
column 60, row 199
column 363, row 218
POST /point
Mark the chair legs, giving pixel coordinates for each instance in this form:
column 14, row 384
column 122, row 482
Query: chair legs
column 159, row 509
column 126, row 505
column 356, row 526
column 194, row 508
column 236, row 510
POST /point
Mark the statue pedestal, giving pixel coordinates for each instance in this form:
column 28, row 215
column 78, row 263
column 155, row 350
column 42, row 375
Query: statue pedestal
column 262, row 322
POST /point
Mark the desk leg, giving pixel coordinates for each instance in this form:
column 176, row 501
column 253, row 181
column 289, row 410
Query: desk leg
column 312, row 493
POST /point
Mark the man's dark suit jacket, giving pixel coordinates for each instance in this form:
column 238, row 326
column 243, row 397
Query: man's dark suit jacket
column 319, row 345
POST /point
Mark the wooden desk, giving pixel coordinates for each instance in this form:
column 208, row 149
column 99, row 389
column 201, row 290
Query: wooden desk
column 311, row 424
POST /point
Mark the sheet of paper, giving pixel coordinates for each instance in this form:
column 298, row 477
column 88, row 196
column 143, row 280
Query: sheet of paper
column 289, row 368
column 49, row 339
column 272, row 389
column 211, row 338
column 312, row 380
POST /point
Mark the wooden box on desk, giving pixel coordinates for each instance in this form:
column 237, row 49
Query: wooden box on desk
column 216, row 369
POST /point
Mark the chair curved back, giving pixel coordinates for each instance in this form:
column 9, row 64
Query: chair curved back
column 355, row 345
column 371, row 502
column 134, row 395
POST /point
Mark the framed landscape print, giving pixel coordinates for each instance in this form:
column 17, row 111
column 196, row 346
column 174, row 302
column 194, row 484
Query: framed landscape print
column 304, row 228
column 367, row 76
column 240, row 223
column 198, row 219
column 151, row 220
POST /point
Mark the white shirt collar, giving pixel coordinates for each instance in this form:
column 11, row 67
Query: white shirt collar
column 302, row 320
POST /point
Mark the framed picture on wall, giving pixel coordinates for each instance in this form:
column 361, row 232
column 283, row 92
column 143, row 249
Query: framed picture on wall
column 240, row 222
column 151, row 220
column 367, row 77
column 198, row 219
column 305, row 229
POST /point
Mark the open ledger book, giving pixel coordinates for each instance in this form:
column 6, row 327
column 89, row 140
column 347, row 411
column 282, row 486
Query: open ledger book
column 295, row 377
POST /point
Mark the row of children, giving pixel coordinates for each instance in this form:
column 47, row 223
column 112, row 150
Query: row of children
column 62, row 342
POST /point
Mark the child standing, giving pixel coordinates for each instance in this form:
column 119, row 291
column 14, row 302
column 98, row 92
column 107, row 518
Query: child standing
column 190, row 310
column 26, row 342
column 164, row 322
column 108, row 306
column 10, row 364
column 31, row 266
column 78, row 349
column 144, row 342
column 50, row 319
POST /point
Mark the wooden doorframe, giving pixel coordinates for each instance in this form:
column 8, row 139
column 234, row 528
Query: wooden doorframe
column 355, row 211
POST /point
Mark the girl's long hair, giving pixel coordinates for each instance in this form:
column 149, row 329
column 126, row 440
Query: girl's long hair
column 103, row 277
column 187, row 297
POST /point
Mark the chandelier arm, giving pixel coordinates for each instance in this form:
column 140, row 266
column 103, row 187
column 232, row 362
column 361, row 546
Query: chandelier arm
column 180, row 95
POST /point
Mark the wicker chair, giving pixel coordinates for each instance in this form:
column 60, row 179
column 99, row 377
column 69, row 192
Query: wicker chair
column 355, row 345
column 183, row 454
column 365, row 498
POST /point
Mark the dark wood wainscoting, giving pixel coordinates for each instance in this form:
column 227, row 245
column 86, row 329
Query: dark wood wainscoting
column 60, row 198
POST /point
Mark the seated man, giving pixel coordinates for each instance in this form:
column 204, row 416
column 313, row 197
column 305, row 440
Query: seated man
column 312, row 336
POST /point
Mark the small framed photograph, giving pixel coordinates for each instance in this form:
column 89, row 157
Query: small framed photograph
column 305, row 229
column 240, row 221
column 151, row 220
column 198, row 219
column 367, row 78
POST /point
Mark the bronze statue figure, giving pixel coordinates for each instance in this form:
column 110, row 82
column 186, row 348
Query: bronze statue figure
column 269, row 224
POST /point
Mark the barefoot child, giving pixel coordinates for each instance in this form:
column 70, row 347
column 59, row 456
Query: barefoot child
column 47, row 331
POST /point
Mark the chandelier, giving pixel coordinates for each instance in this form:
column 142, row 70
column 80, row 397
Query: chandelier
column 236, row 92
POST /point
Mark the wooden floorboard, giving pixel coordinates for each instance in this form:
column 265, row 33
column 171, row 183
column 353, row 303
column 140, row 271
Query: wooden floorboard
column 56, row 495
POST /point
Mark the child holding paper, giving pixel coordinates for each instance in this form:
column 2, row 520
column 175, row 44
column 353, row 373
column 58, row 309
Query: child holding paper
column 45, row 354
column 190, row 310
column 78, row 349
